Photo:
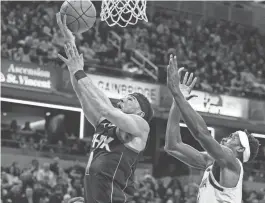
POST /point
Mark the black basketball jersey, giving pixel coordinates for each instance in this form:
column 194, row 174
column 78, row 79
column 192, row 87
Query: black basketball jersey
column 110, row 157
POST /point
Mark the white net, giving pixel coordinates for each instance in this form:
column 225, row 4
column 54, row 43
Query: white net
column 123, row 12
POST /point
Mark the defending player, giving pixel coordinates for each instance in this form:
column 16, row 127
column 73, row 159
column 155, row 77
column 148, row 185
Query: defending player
column 121, row 133
column 223, row 176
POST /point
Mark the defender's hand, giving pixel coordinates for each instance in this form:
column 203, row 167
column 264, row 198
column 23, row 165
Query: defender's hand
column 187, row 84
column 68, row 35
column 74, row 61
column 173, row 79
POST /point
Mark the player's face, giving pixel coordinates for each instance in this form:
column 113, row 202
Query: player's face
column 231, row 141
column 129, row 104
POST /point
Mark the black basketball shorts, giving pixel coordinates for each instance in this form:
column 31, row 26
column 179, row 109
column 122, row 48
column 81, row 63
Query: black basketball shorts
column 102, row 189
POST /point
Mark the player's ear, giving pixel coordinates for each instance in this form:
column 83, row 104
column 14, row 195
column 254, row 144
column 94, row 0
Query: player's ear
column 142, row 114
column 240, row 149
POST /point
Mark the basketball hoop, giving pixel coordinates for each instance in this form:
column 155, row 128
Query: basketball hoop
column 123, row 12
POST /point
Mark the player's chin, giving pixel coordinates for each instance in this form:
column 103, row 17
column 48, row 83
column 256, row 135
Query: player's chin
column 124, row 110
column 118, row 108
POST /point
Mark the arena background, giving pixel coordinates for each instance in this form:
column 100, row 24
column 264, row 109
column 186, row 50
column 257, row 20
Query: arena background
column 43, row 129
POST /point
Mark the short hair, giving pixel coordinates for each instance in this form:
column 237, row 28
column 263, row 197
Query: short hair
column 253, row 145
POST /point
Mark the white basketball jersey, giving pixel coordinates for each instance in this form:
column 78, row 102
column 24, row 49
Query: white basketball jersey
column 211, row 191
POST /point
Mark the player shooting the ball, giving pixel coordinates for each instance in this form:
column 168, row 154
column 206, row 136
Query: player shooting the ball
column 223, row 163
column 120, row 133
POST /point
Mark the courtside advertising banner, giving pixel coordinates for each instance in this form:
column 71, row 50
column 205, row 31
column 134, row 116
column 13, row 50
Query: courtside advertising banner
column 27, row 76
column 211, row 103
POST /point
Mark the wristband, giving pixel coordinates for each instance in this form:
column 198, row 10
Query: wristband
column 80, row 74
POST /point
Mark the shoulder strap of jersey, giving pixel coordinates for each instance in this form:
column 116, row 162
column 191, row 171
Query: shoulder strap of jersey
column 104, row 126
column 242, row 168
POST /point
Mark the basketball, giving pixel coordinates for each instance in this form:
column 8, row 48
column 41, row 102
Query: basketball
column 80, row 15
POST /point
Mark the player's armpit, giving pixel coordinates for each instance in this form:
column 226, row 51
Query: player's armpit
column 190, row 156
column 129, row 123
column 221, row 154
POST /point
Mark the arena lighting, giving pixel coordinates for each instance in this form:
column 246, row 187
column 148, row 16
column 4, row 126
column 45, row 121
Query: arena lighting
column 258, row 135
column 36, row 124
column 211, row 129
column 54, row 106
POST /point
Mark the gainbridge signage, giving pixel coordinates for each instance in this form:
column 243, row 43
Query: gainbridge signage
column 27, row 76
column 116, row 88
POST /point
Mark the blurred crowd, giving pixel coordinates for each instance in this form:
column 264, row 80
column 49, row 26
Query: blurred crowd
column 30, row 34
column 227, row 57
column 30, row 140
column 41, row 183
column 50, row 183
column 33, row 142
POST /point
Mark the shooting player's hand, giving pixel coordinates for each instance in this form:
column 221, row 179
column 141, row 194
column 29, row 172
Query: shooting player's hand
column 74, row 61
column 68, row 35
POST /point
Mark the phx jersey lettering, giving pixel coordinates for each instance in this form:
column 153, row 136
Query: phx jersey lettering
column 110, row 168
